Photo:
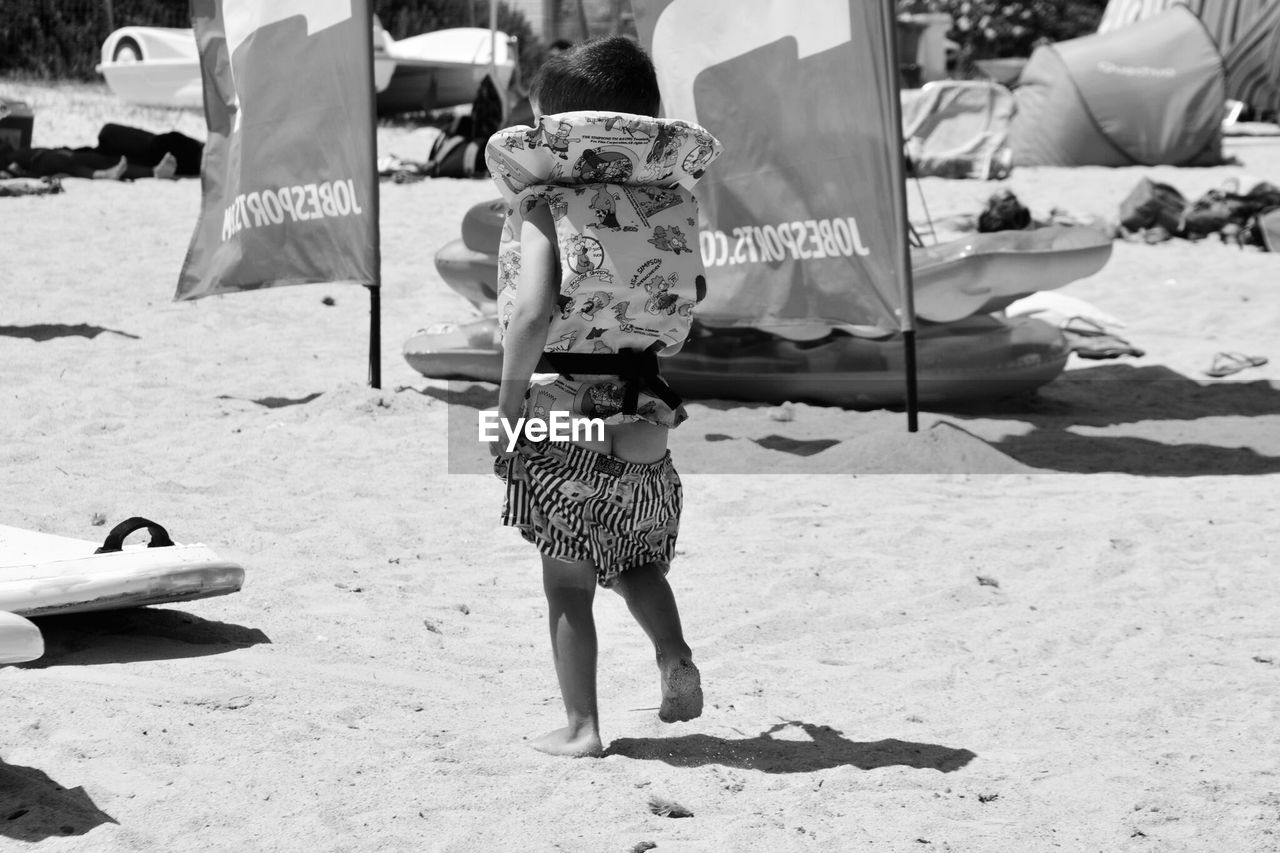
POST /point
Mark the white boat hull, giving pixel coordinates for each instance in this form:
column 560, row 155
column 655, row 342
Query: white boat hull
column 158, row 66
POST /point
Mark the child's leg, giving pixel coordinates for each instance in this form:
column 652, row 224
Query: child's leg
column 570, row 590
column 653, row 604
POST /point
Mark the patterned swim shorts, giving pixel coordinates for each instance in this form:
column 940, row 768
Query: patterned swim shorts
column 579, row 505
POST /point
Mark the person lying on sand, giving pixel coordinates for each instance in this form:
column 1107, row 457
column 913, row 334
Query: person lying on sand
column 122, row 154
column 79, row 163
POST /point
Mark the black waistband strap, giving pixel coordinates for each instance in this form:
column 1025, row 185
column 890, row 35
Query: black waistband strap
column 637, row 369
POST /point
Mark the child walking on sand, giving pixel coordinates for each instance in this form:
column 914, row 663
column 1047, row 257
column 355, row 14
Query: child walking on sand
column 598, row 275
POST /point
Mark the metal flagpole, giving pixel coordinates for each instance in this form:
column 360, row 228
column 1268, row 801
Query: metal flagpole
column 897, row 173
column 375, row 289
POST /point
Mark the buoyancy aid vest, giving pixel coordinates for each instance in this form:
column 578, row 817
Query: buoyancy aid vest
column 618, row 187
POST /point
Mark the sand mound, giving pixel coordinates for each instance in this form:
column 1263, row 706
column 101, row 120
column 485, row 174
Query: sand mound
column 942, row 448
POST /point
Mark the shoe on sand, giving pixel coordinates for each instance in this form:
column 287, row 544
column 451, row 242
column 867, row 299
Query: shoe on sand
column 681, row 692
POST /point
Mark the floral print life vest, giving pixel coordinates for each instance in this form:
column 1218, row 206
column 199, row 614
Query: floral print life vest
column 618, row 187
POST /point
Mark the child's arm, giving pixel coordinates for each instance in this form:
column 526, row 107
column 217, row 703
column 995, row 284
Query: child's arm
column 536, row 296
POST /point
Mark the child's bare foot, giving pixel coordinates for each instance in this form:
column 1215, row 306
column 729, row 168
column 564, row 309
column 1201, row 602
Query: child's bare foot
column 167, row 167
column 115, row 173
column 565, row 742
column 681, row 691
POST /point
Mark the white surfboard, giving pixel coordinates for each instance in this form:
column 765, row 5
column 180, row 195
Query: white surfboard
column 42, row 574
column 19, row 639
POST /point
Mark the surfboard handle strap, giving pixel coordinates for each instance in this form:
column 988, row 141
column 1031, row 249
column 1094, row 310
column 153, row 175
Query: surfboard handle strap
column 115, row 539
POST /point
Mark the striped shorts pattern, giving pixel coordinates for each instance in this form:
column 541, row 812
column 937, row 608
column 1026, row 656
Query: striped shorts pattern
column 579, row 505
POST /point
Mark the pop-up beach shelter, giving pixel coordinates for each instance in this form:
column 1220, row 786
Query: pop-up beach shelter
column 1247, row 33
column 1226, row 20
column 1253, row 62
column 1147, row 94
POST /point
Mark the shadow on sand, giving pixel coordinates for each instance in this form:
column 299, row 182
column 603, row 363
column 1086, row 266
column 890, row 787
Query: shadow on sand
column 49, row 331
column 1115, row 395
column 136, row 634
column 275, row 402
column 1061, row 415
column 824, row 749
column 33, row 807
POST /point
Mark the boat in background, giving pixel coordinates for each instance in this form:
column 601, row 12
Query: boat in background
column 440, row 69
column 966, row 348
column 153, row 66
column 160, row 67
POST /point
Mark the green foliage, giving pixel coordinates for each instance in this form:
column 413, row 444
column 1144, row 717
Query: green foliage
column 987, row 29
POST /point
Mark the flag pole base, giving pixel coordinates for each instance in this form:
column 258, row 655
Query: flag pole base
column 375, row 336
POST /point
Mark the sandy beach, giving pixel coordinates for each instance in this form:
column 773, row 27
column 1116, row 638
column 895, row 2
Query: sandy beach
column 1044, row 623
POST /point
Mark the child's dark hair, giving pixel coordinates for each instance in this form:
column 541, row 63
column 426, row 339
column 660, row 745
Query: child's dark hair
column 611, row 74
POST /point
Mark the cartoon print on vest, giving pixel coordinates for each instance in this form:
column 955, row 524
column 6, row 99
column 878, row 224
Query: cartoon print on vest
column 508, row 270
column 559, row 206
column 620, row 312
column 670, row 239
column 646, row 271
column 565, row 304
column 601, row 347
column 555, row 201
column 603, row 276
column 661, row 300
column 635, row 126
column 700, row 288
column 562, row 343
column 602, row 399
column 595, row 302
column 605, row 205
column 557, row 142
column 666, row 146
column 648, row 200
column 601, row 165
column 696, row 161
column 540, row 405
column 583, row 254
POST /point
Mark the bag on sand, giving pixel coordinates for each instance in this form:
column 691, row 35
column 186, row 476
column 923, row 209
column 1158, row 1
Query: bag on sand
column 1152, row 204
column 456, row 157
column 1267, row 227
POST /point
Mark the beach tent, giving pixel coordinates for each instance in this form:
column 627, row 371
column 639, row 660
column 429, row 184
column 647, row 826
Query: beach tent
column 1147, row 94
column 1226, row 20
column 1247, row 33
column 1253, row 62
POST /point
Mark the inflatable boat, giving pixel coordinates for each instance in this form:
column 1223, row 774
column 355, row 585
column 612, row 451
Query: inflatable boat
column 979, row 357
column 964, row 348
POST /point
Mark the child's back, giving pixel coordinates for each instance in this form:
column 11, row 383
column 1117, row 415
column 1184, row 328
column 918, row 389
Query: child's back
column 599, row 271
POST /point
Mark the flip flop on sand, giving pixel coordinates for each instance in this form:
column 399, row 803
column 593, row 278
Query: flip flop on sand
column 1090, row 339
column 1227, row 363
